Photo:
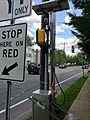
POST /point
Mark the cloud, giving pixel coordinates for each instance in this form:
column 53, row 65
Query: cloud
column 67, row 43
column 59, row 29
column 67, row 19
column 33, row 21
column 30, row 34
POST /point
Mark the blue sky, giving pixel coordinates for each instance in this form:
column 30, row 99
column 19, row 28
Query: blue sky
column 63, row 32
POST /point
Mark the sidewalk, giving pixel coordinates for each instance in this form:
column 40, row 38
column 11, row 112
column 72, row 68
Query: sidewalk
column 81, row 105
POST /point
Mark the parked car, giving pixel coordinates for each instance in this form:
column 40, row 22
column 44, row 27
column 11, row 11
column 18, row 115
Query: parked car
column 85, row 66
column 62, row 66
column 33, row 68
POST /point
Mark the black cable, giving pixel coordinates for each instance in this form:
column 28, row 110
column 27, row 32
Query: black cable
column 60, row 108
column 60, row 88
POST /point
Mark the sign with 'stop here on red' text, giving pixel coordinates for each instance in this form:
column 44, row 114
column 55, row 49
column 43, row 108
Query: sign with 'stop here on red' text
column 12, row 52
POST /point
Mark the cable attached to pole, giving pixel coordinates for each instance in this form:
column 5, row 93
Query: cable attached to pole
column 60, row 88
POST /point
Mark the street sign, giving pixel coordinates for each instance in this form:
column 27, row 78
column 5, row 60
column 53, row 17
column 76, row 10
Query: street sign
column 14, row 9
column 12, row 52
column 21, row 8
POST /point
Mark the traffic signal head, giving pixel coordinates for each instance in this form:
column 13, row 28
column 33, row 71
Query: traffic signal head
column 40, row 37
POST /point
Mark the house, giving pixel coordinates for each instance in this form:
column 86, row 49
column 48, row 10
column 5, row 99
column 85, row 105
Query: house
column 32, row 55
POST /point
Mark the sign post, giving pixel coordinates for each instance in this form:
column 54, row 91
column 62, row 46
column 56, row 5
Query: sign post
column 9, row 87
column 8, row 100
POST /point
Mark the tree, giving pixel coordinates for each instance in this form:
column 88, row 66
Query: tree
column 59, row 56
column 29, row 40
column 81, row 25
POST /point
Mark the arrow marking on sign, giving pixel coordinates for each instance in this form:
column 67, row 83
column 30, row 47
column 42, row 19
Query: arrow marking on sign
column 6, row 70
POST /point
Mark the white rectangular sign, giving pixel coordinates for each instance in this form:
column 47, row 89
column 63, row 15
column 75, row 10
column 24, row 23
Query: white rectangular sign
column 12, row 52
column 21, row 8
column 14, row 9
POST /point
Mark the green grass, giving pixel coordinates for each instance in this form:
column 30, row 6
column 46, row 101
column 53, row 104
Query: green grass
column 30, row 118
column 70, row 95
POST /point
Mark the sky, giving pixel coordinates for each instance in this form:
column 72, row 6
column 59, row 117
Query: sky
column 63, row 32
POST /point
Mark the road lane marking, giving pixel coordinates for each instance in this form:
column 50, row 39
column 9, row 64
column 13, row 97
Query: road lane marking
column 12, row 98
column 2, row 111
column 69, row 78
column 19, row 103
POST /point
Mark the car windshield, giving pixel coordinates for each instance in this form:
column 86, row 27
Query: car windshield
column 33, row 63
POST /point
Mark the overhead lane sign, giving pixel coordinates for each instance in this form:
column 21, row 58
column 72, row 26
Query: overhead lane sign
column 14, row 9
column 12, row 52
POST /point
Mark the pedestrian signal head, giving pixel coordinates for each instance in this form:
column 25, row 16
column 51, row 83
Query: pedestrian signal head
column 40, row 37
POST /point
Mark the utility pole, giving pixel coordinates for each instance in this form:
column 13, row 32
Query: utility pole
column 52, row 43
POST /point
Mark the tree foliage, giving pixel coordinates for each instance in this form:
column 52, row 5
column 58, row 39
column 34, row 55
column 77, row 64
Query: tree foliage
column 81, row 24
column 29, row 40
column 59, row 56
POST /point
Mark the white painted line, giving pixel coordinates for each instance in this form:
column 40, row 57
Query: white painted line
column 19, row 103
column 18, row 94
column 2, row 111
column 22, row 92
column 69, row 78
column 12, row 98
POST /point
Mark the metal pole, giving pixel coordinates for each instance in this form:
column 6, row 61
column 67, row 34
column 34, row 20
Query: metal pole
column 44, row 60
column 52, row 43
column 46, row 53
column 8, row 100
column 9, row 83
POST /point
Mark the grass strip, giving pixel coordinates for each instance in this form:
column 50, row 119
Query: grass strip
column 30, row 118
column 70, row 95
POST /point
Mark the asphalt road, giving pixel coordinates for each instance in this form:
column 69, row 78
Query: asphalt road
column 21, row 106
